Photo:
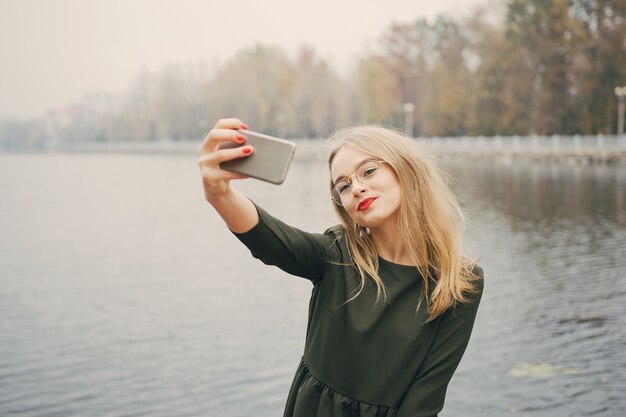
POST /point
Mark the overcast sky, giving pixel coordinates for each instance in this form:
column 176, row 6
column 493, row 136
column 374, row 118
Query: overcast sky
column 53, row 52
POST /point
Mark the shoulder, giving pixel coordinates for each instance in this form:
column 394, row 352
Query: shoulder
column 478, row 285
column 336, row 231
column 473, row 267
column 479, row 275
column 474, row 291
column 336, row 237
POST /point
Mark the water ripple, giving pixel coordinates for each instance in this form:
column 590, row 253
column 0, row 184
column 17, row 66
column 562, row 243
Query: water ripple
column 116, row 304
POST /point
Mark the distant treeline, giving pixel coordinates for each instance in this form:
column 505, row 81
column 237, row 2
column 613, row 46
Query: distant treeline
column 542, row 67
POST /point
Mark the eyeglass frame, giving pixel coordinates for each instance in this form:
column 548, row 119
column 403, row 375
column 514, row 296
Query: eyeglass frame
column 349, row 180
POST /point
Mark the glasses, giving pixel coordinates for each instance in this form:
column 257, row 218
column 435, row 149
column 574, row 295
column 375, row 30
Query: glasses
column 342, row 191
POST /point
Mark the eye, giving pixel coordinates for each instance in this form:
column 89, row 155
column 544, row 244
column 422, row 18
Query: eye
column 369, row 170
column 342, row 187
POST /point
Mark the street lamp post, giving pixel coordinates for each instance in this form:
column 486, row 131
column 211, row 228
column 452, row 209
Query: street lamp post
column 281, row 121
column 408, row 108
column 620, row 92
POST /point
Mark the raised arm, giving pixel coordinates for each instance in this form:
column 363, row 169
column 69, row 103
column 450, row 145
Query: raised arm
column 272, row 241
column 237, row 211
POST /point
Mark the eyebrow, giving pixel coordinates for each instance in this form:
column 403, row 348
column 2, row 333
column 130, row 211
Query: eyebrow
column 357, row 166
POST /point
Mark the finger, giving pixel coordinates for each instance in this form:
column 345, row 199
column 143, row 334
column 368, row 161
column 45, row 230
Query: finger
column 209, row 174
column 215, row 136
column 231, row 123
column 234, row 176
column 222, row 155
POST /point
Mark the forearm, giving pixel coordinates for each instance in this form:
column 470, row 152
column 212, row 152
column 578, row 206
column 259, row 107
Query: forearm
column 238, row 212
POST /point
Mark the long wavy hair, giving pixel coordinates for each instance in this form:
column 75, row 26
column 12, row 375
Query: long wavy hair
column 429, row 220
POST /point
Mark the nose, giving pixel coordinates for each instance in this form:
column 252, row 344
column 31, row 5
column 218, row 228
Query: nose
column 357, row 187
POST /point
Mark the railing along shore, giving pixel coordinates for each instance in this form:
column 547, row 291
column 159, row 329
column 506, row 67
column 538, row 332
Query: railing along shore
column 606, row 149
column 610, row 149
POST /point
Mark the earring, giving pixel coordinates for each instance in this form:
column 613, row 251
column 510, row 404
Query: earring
column 361, row 229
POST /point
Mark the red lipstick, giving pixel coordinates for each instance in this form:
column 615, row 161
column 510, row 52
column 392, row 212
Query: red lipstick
column 365, row 204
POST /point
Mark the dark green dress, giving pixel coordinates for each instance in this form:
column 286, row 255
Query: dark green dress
column 361, row 358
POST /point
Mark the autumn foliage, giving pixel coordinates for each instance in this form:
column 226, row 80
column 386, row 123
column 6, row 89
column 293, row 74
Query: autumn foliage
column 517, row 67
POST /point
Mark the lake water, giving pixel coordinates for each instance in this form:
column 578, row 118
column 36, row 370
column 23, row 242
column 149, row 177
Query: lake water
column 123, row 294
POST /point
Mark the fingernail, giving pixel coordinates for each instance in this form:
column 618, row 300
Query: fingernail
column 247, row 150
column 244, row 126
column 240, row 139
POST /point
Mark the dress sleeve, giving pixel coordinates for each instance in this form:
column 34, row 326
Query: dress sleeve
column 426, row 394
column 294, row 251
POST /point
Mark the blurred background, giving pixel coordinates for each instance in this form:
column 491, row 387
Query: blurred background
column 123, row 294
column 75, row 71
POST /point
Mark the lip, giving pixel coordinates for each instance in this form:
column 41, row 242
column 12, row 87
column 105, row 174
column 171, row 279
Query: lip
column 365, row 204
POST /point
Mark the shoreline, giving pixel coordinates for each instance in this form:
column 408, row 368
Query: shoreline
column 596, row 157
column 306, row 148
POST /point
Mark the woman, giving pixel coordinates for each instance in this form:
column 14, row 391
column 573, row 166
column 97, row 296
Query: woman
column 393, row 301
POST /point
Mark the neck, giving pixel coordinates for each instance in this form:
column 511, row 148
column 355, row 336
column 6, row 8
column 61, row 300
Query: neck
column 390, row 245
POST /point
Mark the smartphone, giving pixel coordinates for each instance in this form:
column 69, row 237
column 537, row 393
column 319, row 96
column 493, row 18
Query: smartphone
column 269, row 161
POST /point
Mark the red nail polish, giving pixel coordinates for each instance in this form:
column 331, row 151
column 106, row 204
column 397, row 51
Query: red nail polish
column 247, row 150
column 244, row 126
column 240, row 139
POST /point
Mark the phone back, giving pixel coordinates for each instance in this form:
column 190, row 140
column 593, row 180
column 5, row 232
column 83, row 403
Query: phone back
column 269, row 161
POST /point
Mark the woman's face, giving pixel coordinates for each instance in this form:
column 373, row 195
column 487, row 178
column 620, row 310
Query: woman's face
column 375, row 202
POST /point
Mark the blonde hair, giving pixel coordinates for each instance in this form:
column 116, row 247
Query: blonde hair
column 429, row 220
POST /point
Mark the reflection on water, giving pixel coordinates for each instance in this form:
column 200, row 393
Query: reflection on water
column 121, row 293
column 552, row 325
column 544, row 193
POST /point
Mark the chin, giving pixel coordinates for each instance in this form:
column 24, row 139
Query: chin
column 376, row 219
column 371, row 223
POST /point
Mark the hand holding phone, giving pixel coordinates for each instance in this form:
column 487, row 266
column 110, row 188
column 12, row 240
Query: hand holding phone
column 269, row 162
